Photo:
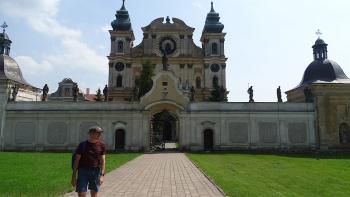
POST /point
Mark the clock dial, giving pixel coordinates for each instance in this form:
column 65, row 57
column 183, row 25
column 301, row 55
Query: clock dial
column 119, row 66
column 215, row 68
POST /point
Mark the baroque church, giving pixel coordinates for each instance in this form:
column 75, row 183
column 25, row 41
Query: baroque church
column 183, row 100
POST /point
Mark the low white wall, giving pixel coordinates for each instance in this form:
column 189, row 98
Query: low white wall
column 62, row 125
column 249, row 125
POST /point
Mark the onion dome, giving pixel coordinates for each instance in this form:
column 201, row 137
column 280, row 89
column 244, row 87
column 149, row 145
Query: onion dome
column 122, row 22
column 212, row 23
column 322, row 69
column 9, row 69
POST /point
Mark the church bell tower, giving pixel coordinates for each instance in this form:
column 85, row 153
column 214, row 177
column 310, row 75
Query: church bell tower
column 213, row 41
column 120, row 80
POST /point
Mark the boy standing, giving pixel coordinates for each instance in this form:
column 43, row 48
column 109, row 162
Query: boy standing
column 90, row 163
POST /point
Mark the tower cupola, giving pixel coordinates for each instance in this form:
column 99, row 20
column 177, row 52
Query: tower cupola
column 212, row 23
column 122, row 22
column 5, row 42
column 320, row 48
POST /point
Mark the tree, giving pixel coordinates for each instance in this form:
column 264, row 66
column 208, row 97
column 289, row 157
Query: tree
column 218, row 94
column 144, row 82
column 98, row 95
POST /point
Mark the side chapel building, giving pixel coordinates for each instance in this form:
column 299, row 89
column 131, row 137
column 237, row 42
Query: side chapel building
column 177, row 108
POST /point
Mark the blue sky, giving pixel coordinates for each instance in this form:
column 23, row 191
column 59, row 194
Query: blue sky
column 268, row 42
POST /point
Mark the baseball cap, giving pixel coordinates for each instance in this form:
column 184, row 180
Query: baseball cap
column 95, row 129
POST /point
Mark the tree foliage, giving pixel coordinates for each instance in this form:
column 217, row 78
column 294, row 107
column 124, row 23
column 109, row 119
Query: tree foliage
column 218, row 94
column 98, row 95
column 144, row 82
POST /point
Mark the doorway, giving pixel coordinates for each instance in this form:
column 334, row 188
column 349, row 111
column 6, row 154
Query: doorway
column 208, row 139
column 119, row 139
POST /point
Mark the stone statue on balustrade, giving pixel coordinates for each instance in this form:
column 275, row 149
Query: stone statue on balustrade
column 75, row 90
column 250, row 91
column 165, row 61
column 279, row 94
column 45, row 92
column 105, row 93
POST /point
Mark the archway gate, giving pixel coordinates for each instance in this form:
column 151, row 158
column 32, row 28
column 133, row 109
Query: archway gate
column 163, row 129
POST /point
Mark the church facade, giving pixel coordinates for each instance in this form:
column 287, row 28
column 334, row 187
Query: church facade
column 178, row 106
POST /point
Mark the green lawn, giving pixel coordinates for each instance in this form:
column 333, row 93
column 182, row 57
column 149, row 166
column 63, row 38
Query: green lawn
column 273, row 175
column 43, row 174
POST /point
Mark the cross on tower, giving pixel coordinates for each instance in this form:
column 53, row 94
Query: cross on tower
column 4, row 26
column 319, row 33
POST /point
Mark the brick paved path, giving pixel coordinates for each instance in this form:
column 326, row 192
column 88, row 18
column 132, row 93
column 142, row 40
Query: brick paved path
column 164, row 174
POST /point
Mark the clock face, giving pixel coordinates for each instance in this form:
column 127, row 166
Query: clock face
column 119, row 66
column 167, row 45
column 215, row 68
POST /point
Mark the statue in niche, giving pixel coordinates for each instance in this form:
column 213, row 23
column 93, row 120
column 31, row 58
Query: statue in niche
column 75, row 90
column 279, row 95
column 308, row 95
column 251, row 94
column 45, row 92
column 105, row 93
column 9, row 94
column 165, row 61
column 193, row 91
column 14, row 92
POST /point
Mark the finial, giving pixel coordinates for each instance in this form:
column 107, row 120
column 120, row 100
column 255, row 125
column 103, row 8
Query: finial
column 318, row 33
column 123, row 6
column 212, row 7
column 4, row 26
column 167, row 19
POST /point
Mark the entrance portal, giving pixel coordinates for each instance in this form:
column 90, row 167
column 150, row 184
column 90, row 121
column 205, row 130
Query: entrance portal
column 164, row 133
column 119, row 139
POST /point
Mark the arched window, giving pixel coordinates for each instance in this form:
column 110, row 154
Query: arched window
column 344, row 133
column 214, row 48
column 215, row 81
column 198, row 82
column 119, row 81
column 120, row 46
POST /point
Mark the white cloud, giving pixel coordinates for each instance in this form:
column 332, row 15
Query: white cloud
column 29, row 65
column 73, row 53
column 101, row 46
column 105, row 29
column 197, row 4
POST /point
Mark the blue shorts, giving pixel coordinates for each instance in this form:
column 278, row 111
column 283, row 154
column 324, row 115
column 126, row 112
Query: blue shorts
column 88, row 177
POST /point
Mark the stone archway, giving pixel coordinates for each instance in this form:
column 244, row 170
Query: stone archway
column 344, row 133
column 164, row 130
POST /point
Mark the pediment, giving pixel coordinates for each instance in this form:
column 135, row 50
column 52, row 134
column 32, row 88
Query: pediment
column 158, row 25
column 165, row 90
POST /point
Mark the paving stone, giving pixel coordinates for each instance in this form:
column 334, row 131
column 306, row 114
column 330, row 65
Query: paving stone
column 163, row 174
